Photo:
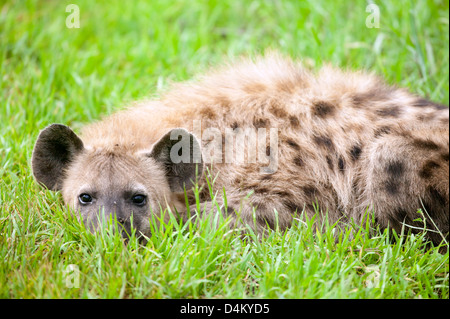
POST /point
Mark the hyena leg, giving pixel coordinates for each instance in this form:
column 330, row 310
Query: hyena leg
column 409, row 170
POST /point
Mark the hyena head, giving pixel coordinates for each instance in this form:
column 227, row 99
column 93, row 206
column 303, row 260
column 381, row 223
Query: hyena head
column 100, row 183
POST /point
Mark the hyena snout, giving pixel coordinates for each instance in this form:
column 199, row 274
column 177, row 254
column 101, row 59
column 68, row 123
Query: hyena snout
column 119, row 221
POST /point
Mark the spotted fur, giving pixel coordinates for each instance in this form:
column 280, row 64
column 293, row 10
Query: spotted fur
column 347, row 143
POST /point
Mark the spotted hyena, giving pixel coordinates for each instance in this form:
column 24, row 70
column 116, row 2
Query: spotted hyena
column 278, row 138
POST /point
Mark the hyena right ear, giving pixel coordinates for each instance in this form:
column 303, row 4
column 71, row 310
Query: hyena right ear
column 180, row 154
column 56, row 146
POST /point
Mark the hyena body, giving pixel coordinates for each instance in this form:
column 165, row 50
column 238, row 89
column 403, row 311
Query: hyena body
column 345, row 141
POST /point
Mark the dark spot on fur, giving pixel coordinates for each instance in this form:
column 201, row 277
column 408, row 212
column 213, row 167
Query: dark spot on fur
column 309, row 191
column 437, row 197
column 310, row 208
column 400, row 215
column 324, row 141
column 421, row 102
column 294, row 121
column 278, row 111
column 355, row 152
column 435, row 204
column 406, row 134
column 445, row 156
column 261, row 190
column 391, row 186
column 358, row 100
column 248, row 188
column 235, row 125
column 230, row 211
column 426, row 117
column 382, row 131
column 428, row 207
column 266, row 177
column 293, row 144
column 299, row 161
column 390, row 111
column 267, row 221
column 376, row 94
column 283, row 194
column 323, row 109
column 268, row 150
column 341, row 164
column 204, row 194
column 208, row 113
column 330, row 163
column 292, row 207
column 261, row 123
column 427, row 169
column 420, row 117
column 425, row 144
column 439, row 106
column 395, row 169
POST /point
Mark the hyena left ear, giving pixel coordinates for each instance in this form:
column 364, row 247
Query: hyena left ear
column 179, row 152
column 56, row 146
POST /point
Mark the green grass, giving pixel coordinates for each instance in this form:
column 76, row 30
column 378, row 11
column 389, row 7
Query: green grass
column 123, row 52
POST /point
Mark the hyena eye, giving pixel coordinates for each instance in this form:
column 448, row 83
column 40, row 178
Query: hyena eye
column 139, row 200
column 85, row 199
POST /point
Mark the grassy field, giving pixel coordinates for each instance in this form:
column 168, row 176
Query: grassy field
column 130, row 50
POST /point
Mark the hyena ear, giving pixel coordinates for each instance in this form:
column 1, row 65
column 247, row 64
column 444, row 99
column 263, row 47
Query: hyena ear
column 179, row 152
column 56, row 146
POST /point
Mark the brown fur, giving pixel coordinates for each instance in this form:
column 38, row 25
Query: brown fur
column 346, row 141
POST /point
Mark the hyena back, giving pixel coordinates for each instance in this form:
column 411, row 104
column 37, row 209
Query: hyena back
column 345, row 141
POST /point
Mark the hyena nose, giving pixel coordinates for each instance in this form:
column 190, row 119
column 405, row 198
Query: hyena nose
column 121, row 218
column 118, row 213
